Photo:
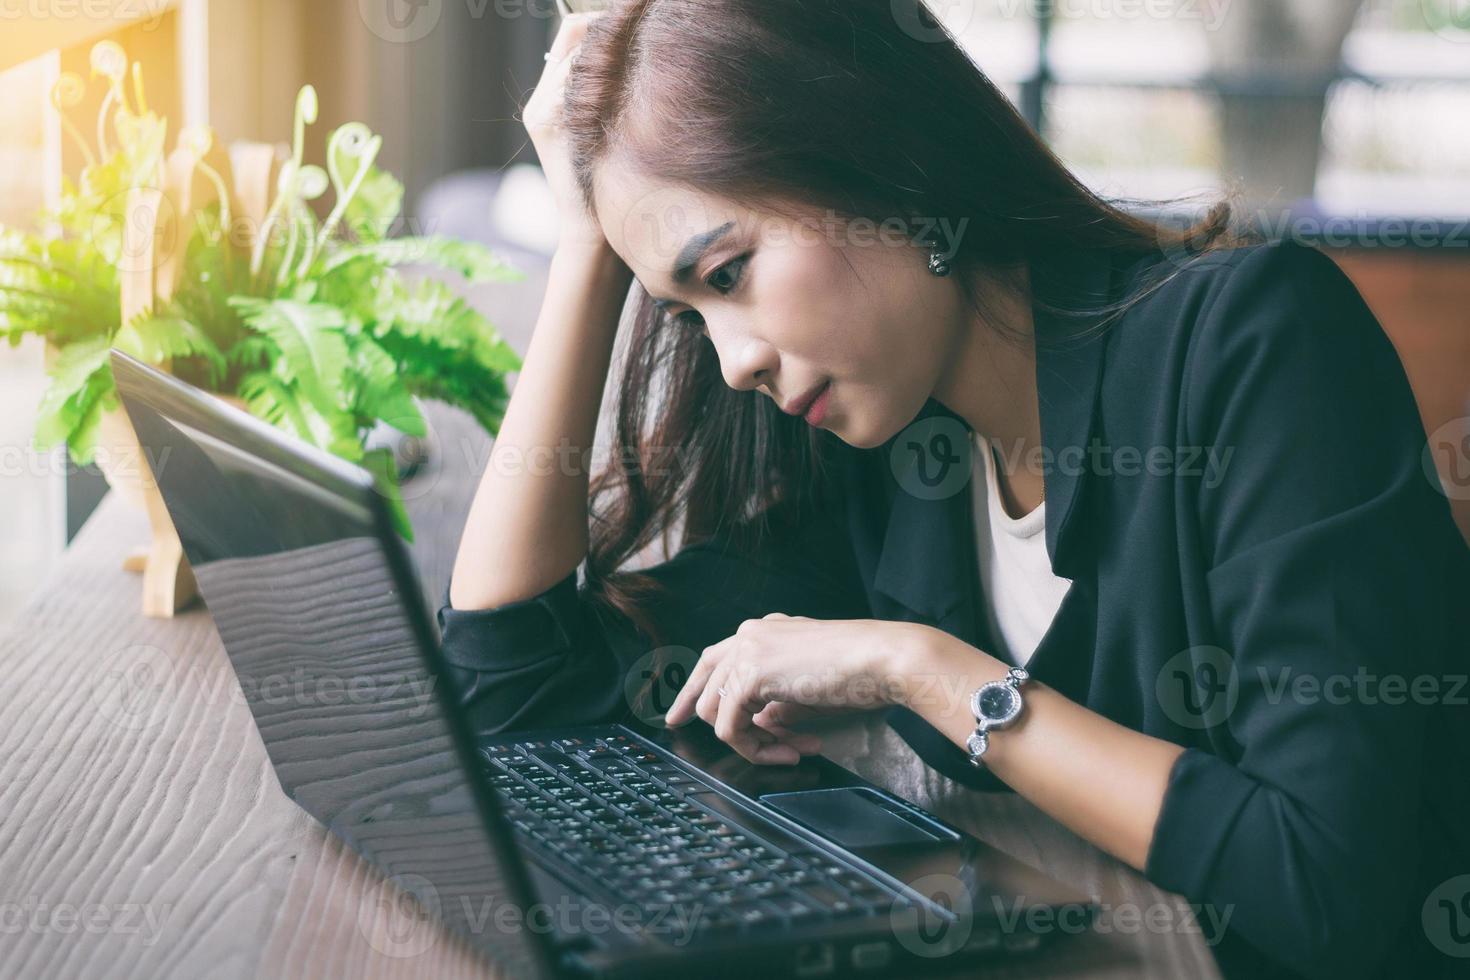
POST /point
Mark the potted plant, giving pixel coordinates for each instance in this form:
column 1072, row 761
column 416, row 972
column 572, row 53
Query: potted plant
column 210, row 268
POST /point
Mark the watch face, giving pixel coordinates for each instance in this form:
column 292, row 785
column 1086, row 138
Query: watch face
column 997, row 702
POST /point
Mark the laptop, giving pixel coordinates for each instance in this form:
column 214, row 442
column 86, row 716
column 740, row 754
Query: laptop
column 584, row 851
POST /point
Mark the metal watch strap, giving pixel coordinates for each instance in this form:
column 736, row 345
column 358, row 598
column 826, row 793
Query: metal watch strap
column 979, row 740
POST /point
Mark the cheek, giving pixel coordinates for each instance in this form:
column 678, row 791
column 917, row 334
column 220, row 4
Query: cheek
column 834, row 308
column 806, row 307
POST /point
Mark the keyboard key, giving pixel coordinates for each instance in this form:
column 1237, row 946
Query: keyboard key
column 791, row 907
column 755, row 915
column 827, row 899
column 716, row 920
column 598, row 753
column 622, row 818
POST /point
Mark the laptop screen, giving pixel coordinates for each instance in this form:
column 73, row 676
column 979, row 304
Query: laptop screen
column 321, row 614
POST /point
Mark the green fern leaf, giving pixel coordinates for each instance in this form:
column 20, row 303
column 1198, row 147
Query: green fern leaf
column 72, row 405
column 312, row 345
column 155, row 338
column 473, row 261
column 379, row 199
column 270, row 398
column 379, row 462
column 253, row 351
column 432, row 311
column 380, row 391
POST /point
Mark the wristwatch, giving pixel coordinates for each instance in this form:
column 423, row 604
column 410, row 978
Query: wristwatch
column 996, row 704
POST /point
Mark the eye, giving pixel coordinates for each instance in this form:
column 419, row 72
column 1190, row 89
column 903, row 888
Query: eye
column 723, row 281
column 737, row 264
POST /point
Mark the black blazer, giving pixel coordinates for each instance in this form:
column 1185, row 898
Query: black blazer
column 1284, row 613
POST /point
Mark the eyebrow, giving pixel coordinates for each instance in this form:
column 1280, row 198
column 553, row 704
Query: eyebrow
column 694, row 250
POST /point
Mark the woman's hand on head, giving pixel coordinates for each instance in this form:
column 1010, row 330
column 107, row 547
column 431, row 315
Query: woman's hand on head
column 543, row 118
column 781, row 670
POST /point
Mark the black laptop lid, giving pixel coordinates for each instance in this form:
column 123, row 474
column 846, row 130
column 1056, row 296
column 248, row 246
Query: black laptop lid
column 320, row 611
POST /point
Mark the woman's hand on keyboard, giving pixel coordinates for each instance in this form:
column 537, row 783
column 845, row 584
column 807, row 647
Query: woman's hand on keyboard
column 780, row 670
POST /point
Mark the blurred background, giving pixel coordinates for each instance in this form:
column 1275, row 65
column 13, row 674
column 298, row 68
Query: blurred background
column 1345, row 123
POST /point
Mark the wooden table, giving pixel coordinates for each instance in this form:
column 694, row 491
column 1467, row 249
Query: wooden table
column 143, row 833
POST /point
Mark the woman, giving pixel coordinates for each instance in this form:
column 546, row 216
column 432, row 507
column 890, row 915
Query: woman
column 1195, row 511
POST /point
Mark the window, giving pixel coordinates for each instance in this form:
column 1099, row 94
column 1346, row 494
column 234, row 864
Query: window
column 1357, row 105
column 30, row 488
column 37, row 487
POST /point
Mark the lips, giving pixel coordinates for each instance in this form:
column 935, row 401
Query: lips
column 800, row 405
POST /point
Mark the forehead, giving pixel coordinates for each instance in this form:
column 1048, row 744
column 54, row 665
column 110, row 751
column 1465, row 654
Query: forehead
column 648, row 222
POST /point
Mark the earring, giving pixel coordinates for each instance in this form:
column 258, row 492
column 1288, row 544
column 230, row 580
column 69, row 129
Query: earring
column 938, row 264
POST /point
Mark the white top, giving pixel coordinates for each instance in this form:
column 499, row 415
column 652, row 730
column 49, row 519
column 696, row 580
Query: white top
column 1022, row 594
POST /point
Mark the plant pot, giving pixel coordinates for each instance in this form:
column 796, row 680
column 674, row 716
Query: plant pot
column 168, row 581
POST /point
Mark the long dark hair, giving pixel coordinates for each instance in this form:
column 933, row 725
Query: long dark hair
column 864, row 109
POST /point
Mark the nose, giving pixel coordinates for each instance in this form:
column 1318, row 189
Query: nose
column 746, row 361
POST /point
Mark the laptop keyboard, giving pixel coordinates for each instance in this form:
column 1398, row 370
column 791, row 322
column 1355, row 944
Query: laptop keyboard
column 622, row 820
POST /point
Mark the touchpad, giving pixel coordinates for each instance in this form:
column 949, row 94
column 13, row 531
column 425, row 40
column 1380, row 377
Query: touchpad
column 852, row 816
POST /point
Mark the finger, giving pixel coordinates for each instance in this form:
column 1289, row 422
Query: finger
column 763, row 748
column 786, row 713
column 808, row 743
column 708, row 704
column 776, row 754
column 566, row 45
column 573, row 28
column 544, row 108
column 755, row 743
column 773, row 720
column 558, row 66
column 804, row 742
column 732, row 716
column 733, row 722
column 728, row 676
column 682, row 710
column 734, row 729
